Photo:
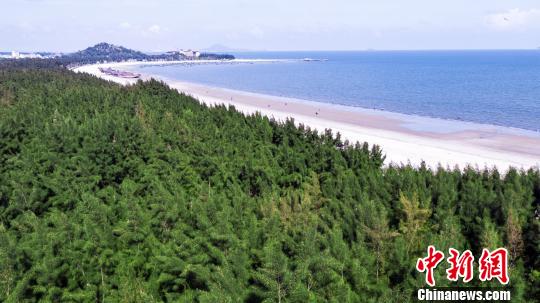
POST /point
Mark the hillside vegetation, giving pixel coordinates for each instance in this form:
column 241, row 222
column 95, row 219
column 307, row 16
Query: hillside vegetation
column 106, row 52
column 141, row 194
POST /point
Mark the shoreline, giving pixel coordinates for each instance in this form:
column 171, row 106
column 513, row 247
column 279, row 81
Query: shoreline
column 405, row 139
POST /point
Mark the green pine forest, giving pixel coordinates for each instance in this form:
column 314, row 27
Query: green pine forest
column 142, row 194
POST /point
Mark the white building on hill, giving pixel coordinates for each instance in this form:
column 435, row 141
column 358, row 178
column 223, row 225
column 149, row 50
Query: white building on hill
column 189, row 53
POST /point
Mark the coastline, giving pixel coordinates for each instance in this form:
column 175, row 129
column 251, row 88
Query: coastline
column 403, row 138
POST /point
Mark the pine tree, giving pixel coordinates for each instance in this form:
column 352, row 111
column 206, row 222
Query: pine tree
column 275, row 278
column 413, row 222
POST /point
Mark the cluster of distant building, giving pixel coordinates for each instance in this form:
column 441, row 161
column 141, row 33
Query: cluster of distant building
column 19, row 55
column 188, row 53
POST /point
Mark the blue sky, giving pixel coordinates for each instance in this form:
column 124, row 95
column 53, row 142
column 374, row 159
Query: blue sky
column 68, row 25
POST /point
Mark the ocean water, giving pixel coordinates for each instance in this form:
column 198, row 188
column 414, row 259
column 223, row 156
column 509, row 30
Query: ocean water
column 491, row 87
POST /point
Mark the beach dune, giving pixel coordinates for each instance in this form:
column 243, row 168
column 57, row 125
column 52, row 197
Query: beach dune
column 404, row 139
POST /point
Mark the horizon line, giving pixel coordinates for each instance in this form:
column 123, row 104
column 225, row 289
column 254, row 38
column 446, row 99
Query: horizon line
column 232, row 50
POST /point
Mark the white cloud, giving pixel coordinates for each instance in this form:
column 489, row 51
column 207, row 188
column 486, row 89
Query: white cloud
column 514, row 19
column 155, row 29
column 125, row 25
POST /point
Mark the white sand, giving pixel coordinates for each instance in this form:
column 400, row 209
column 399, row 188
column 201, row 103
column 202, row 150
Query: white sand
column 477, row 145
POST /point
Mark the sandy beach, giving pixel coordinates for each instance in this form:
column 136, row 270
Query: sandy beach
column 403, row 138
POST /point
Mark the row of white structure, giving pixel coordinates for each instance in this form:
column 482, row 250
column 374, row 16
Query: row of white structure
column 18, row 55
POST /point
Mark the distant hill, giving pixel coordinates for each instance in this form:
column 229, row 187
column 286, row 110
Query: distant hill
column 111, row 51
column 106, row 52
column 114, row 53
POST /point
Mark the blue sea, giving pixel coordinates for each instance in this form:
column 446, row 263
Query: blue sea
column 491, row 87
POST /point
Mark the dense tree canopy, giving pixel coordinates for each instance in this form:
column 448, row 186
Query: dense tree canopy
column 141, row 194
